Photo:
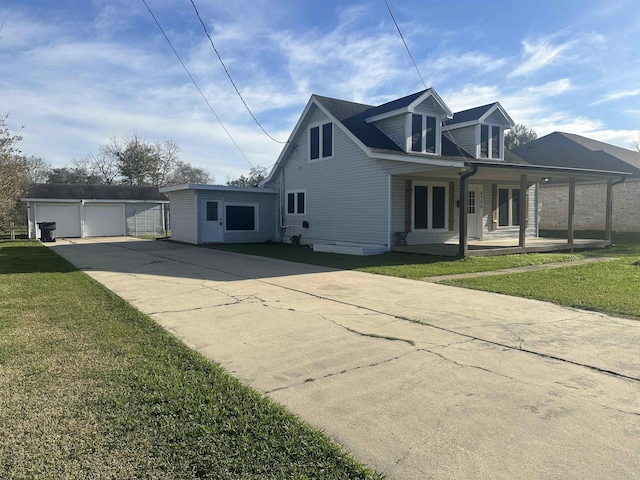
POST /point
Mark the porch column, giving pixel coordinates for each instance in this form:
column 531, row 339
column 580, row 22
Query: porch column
column 463, row 248
column 523, row 209
column 609, row 212
column 572, row 207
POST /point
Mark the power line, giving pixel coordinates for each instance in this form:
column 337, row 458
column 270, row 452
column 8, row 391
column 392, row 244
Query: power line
column 195, row 84
column 405, row 43
column 229, row 75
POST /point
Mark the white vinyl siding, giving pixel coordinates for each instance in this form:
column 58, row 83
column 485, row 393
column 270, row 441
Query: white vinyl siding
column 465, row 137
column 346, row 196
column 183, row 216
column 394, row 128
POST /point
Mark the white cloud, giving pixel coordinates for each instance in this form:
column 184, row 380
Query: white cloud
column 618, row 95
column 538, row 54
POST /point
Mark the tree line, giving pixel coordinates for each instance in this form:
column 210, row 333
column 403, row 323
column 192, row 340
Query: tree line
column 123, row 161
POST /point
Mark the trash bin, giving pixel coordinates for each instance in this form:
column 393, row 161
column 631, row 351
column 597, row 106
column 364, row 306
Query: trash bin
column 47, row 231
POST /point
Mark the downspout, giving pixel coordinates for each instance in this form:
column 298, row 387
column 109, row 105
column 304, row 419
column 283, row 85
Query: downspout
column 462, row 241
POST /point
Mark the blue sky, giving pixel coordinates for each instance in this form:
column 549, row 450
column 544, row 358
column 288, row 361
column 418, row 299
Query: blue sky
column 76, row 73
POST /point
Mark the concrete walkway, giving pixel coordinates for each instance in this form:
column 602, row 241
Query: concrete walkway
column 484, row 386
column 526, row 268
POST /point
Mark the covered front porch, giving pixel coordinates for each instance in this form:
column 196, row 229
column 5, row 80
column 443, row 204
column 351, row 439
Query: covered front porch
column 503, row 246
column 492, row 209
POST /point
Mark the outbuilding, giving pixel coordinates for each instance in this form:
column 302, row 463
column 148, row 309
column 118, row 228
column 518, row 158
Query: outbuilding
column 96, row 210
column 223, row 214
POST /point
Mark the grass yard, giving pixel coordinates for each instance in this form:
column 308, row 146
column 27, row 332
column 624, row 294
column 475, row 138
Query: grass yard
column 611, row 287
column 92, row 388
column 405, row 265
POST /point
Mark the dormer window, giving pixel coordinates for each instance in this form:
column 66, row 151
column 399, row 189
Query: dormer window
column 490, row 144
column 423, row 133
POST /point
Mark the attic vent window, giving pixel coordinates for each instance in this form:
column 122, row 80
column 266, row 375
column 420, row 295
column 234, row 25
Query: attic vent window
column 321, row 141
column 423, row 133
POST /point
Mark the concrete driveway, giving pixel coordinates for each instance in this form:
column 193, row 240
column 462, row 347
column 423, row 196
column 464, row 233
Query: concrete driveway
column 486, row 386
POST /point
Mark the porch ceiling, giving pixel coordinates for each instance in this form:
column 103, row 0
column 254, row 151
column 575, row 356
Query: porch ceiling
column 506, row 173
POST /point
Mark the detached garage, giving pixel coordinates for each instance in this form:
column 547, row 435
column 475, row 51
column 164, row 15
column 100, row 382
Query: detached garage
column 96, row 210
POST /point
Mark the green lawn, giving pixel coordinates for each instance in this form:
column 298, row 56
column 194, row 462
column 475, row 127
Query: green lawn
column 611, row 287
column 92, row 388
column 405, row 265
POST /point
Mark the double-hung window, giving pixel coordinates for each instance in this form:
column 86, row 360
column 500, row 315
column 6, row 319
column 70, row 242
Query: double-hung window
column 423, row 133
column 321, row 141
column 296, row 203
column 430, row 206
column 490, row 141
column 508, row 207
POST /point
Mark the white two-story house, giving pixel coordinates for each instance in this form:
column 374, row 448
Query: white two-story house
column 364, row 179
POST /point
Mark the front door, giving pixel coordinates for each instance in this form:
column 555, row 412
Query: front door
column 212, row 230
column 472, row 213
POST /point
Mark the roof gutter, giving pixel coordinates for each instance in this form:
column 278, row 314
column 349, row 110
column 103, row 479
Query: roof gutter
column 462, row 242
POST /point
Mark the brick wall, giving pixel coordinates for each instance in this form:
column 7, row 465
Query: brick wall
column 590, row 206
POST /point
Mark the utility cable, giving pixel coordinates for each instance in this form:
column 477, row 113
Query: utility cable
column 195, row 84
column 405, row 44
column 204, row 27
column 444, row 124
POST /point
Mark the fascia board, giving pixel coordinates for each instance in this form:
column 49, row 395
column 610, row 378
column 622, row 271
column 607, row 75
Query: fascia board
column 431, row 93
column 502, row 111
column 419, row 161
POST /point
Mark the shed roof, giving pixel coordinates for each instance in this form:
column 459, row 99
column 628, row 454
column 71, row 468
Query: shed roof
column 59, row 191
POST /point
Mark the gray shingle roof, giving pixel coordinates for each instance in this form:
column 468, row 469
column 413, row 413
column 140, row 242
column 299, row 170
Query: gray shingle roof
column 570, row 150
column 95, row 192
column 352, row 116
column 469, row 115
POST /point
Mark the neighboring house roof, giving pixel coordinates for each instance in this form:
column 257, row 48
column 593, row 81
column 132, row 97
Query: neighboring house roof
column 216, row 188
column 94, row 192
column 569, row 150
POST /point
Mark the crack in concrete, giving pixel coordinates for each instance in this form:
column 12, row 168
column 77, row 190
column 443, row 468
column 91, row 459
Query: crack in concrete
column 333, row 374
column 462, row 365
column 371, row 335
column 420, row 322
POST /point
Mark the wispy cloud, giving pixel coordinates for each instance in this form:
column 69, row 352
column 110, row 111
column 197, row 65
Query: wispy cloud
column 617, row 96
column 540, row 53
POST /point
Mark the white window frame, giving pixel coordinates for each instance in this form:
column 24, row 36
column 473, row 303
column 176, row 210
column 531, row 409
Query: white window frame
column 256, row 216
column 510, row 189
column 320, row 146
column 430, row 186
column 423, row 145
column 490, row 142
column 295, row 202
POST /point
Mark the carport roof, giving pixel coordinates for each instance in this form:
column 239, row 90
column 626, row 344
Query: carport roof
column 53, row 191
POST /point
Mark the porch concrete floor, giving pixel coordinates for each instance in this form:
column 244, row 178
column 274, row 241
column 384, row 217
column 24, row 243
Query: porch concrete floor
column 504, row 246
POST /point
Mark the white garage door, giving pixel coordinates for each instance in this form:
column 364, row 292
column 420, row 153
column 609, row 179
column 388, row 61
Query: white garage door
column 67, row 218
column 103, row 220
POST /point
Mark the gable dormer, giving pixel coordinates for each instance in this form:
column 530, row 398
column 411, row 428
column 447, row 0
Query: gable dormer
column 414, row 122
column 480, row 130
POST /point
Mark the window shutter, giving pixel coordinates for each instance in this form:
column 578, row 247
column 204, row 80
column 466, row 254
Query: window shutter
column 451, row 204
column 494, row 206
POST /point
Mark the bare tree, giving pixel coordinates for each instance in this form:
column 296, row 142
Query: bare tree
column 103, row 165
column 519, row 135
column 256, row 175
column 38, row 170
column 635, row 144
column 14, row 177
column 186, row 173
